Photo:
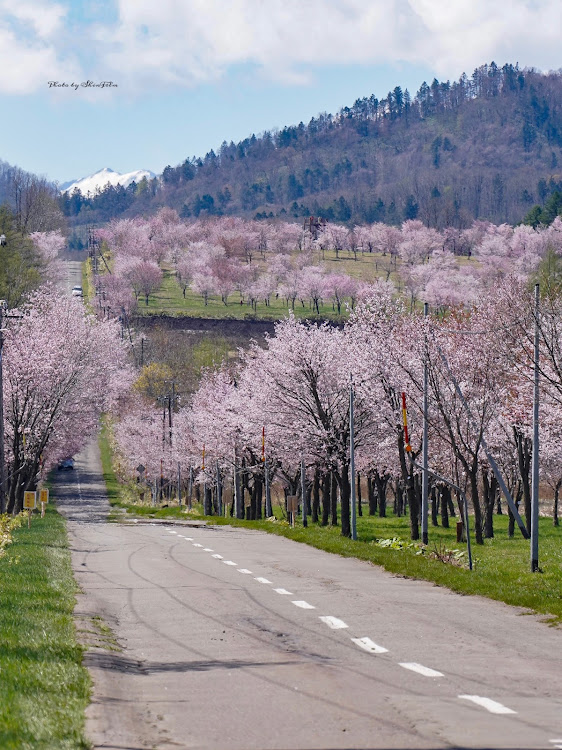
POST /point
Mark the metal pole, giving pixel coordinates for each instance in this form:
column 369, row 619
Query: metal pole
column 303, row 494
column 535, row 465
column 352, row 461
column 268, row 509
column 424, row 507
column 2, row 457
column 179, row 484
column 190, row 488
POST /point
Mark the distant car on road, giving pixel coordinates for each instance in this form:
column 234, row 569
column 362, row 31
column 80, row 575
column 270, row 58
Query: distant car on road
column 66, row 464
column 77, row 291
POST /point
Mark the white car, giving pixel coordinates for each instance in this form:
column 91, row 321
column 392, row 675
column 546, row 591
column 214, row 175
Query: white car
column 77, row 291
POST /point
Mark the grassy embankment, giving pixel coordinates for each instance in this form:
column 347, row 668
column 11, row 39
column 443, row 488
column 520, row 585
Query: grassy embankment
column 44, row 689
column 501, row 569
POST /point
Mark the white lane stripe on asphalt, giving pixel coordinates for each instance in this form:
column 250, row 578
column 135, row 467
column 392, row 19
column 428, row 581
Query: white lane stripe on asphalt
column 229, row 562
column 219, row 557
column 420, row 669
column 492, row 706
column 284, row 592
column 208, row 549
column 303, row 605
column 333, row 622
column 245, row 571
column 188, row 538
column 195, row 544
column 262, row 580
column 172, row 532
column 368, row 645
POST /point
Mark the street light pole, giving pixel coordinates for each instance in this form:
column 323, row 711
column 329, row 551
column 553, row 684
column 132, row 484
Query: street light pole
column 535, row 464
column 424, row 508
column 2, row 458
column 352, row 460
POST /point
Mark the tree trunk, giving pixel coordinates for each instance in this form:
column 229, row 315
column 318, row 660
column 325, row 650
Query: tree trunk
column 414, row 508
column 476, row 504
column 258, row 489
column 381, row 482
column 207, row 501
column 316, row 496
column 334, row 499
column 434, row 506
column 524, row 455
column 555, row 520
column 371, row 495
column 345, row 497
column 445, row 497
column 490, row 485
column 326, row 482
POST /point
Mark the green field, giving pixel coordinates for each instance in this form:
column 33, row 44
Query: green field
column 169, row 298
column 44, row 689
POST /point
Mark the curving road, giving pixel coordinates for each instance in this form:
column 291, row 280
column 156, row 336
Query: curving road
column 227, row 639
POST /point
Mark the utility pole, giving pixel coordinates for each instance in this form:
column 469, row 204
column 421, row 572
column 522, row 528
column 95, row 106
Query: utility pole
column 2, row 457
column 535, row 465
column 352, row 460
column 179, row 484
column 424, row 508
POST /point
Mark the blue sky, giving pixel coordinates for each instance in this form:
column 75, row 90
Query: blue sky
column 192, row 73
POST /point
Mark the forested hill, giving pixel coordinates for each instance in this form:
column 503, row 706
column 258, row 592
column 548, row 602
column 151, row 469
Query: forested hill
column 487, row 146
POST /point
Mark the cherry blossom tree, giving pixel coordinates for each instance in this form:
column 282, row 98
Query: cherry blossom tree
column 62, row 368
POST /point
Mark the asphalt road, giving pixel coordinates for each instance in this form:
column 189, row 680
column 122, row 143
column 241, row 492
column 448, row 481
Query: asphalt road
column 73, row 274
column 223, row 638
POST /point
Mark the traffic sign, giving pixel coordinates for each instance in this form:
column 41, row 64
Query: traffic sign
column 44, row 496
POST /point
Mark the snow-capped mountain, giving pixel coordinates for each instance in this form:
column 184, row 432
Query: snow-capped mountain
column 100, row 179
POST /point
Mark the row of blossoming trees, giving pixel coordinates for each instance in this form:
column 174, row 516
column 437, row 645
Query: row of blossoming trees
column 62, row 368
column 253, row 262
column 295, row 390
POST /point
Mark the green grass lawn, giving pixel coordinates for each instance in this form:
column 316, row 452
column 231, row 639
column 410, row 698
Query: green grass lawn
column 169, row 298
column 44, row 689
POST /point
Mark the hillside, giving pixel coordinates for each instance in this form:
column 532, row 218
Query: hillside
column 484, row 147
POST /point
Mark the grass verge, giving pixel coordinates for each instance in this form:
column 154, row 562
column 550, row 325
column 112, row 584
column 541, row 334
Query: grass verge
column 44, row 689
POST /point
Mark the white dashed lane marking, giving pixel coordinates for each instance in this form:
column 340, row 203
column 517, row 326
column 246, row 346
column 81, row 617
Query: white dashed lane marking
column 262, row 580
column 303, row 605
column 284, row 592
column 333, row 622
column 188, row 538
column 195, row 544
column 219, row 557
column 492, row 706
column 208, row 549
column 370, row 646
column 229, row 562
column 420, row 669
column 245, row 571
